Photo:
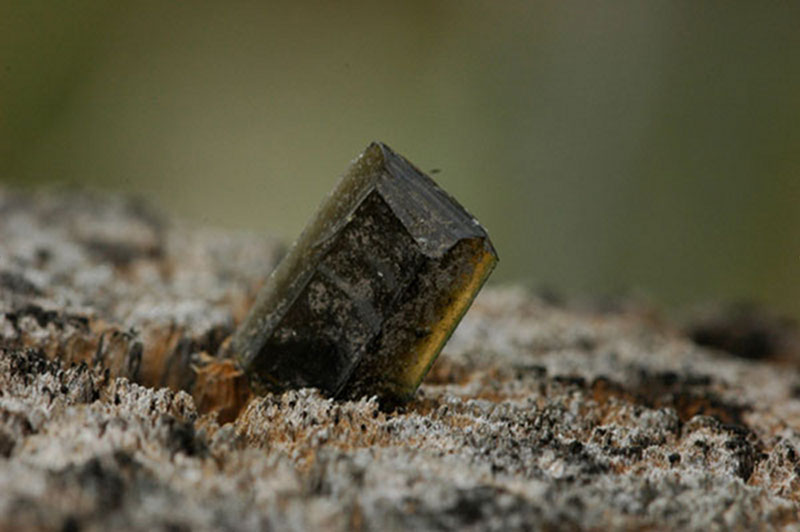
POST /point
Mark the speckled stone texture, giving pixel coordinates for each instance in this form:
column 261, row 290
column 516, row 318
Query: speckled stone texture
column 537, row 415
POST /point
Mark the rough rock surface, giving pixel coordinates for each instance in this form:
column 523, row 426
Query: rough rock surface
column 537, row 415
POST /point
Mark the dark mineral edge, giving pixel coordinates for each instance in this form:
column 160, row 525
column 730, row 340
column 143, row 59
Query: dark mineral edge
column 371, row 290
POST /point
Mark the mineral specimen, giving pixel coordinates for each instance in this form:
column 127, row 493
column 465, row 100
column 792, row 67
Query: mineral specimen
column 370, row 292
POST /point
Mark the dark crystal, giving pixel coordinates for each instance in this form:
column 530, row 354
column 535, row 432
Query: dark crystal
column 368, row 295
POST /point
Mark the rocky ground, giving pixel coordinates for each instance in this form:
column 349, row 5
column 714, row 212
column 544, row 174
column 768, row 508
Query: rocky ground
column 537, row 415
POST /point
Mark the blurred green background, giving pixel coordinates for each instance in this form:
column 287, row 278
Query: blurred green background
column 646, row 146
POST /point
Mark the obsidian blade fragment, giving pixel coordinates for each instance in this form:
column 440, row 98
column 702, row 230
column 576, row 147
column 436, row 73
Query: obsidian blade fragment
column 368, row 295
